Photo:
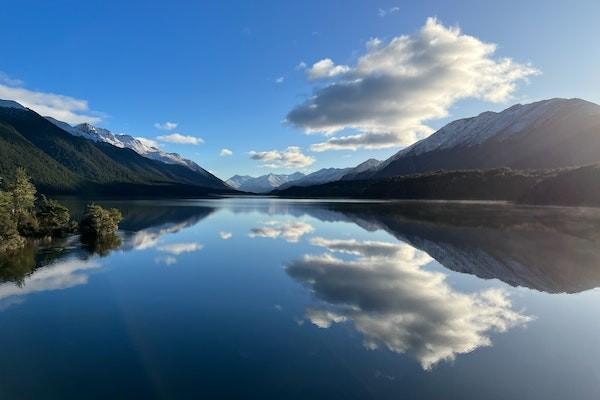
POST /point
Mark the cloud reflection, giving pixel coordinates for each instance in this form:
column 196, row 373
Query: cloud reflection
column 148, row 238
column 58, row 276
column 180, row 248
column 291, row 231
column 383, row 289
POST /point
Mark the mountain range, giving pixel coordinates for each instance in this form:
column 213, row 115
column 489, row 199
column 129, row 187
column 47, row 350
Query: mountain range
column 546, row 152
column 553, row 133
column 269, row 182
column 543, row 152
column 63, row 159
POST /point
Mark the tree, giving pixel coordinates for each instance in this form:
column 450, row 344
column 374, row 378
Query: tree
column 98, row 222
column 54, row 218
column 23, row 202
column 9, row 235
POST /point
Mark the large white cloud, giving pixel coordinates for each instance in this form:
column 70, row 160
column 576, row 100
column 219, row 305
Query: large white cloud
column 395, row 88
column 62, row 108
column 292, row 157
column 384, row 290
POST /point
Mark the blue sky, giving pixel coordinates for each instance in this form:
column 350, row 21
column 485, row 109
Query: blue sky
column 227, row 71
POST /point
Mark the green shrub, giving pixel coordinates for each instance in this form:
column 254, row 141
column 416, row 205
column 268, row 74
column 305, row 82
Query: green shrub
column 10, row 239
column 98, row 222
column 54, row 219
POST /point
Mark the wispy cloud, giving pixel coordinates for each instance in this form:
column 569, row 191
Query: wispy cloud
column 178, row 138
column 60, row 107
column 396, row 88
column 225, row 153
column 292, row 157
column 383, row 12
column 280, row 80
column 166, row 126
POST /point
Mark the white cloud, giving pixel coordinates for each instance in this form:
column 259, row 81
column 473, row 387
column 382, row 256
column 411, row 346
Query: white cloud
column 225, row 235
column 280, row 80
column 166, row 126
column 292, row 157
column 225, row 153
column 396, row 88
column 385, row 12
column 393, row 301
column 63, row 108
column 180, row 139
column 301, row 65
column 326, row 69
column 180, row 248
column 290, row 231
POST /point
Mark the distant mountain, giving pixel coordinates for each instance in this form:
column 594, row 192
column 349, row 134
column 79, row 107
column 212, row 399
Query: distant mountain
column 60, row 162
column 365, row 167
column 261, row 184
column 316, row 178
column 552, row 133
column 326, row 175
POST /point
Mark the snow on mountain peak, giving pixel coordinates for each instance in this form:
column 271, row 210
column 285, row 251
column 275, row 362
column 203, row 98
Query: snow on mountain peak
column 488, row 124
column 91, row 132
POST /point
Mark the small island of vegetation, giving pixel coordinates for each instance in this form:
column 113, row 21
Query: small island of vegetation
column 24, row 216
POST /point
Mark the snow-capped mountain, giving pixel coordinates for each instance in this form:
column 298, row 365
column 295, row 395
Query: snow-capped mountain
column 318, row 177
column 140, row 146
column 546, row 134
column 261, row 184
column 64, row 159
column 327, row 175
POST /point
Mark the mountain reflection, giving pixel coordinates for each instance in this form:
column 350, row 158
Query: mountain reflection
column 549, row 249
column 384, row 291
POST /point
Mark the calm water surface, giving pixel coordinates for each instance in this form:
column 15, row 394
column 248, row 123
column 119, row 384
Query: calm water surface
column 258, row 298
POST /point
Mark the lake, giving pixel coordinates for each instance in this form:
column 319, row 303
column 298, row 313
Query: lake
column 276, row 299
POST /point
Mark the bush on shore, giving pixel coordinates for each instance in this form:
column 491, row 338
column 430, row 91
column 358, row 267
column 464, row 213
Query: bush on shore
column 23, row 215
column 99, row 223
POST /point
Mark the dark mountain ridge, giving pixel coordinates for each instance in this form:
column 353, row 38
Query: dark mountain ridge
column 61, row 163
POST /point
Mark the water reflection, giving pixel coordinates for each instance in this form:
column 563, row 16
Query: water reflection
column 365, row 271
column 290, row 231
column 65, row 263
column 57, row 276
column 549, row 249
column 385, row 291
